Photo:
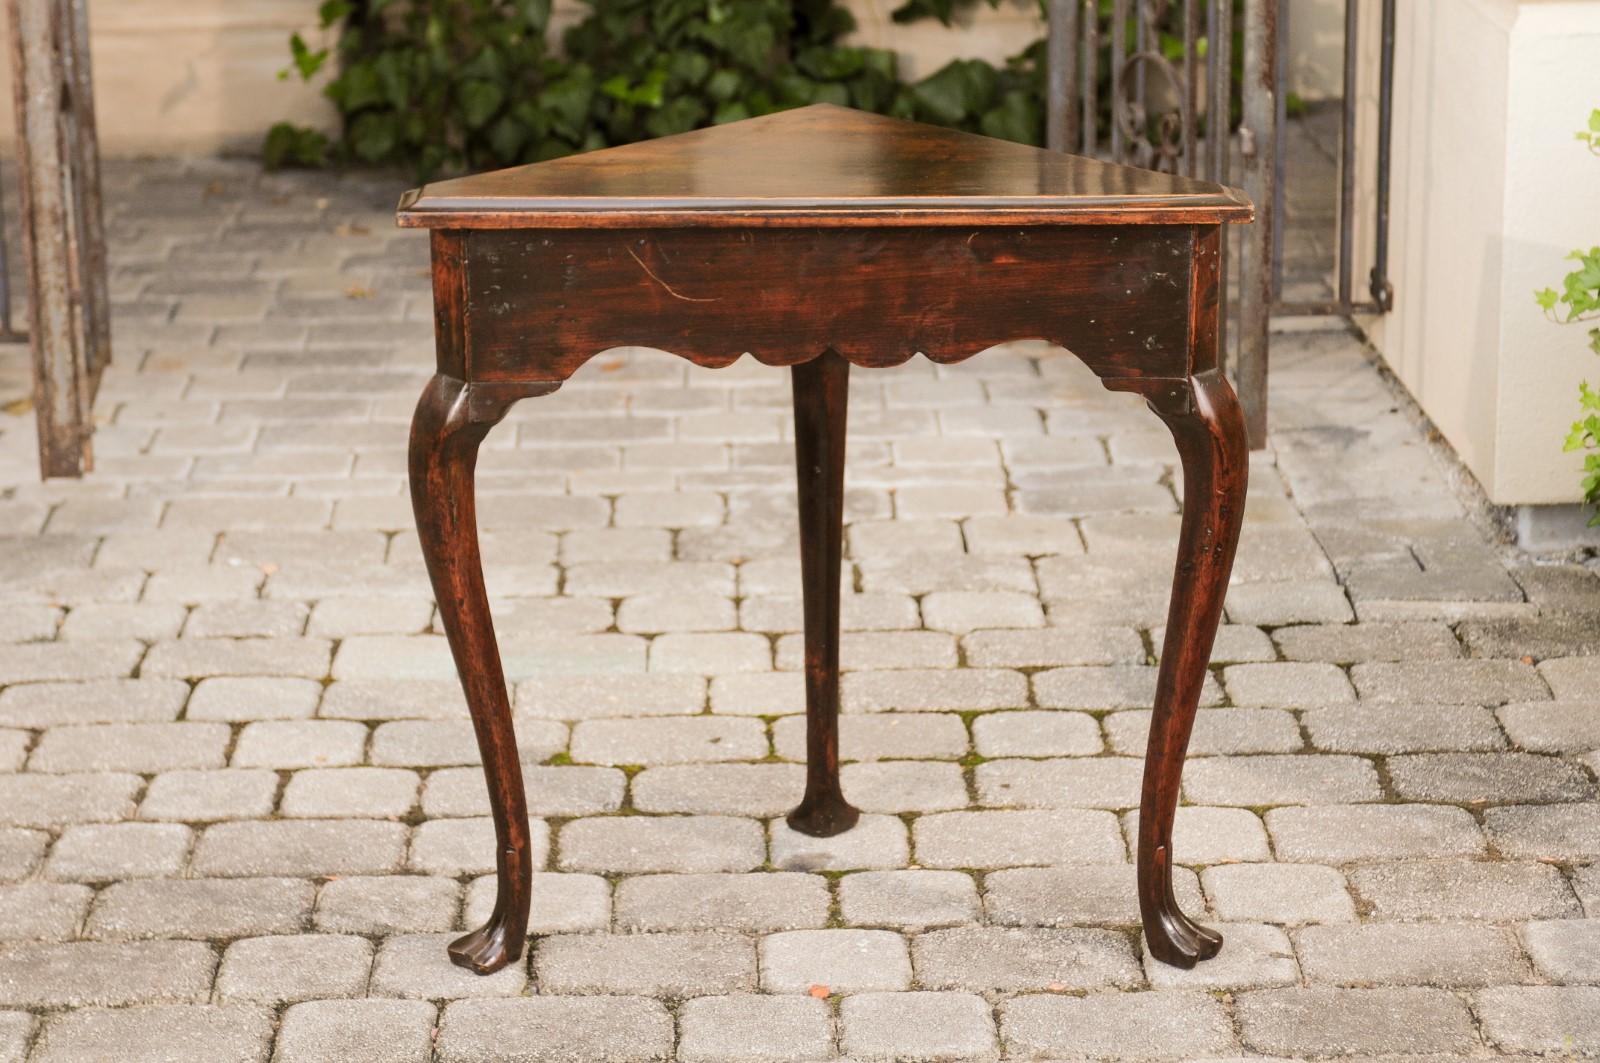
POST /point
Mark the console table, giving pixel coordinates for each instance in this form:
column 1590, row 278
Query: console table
column 818, row 239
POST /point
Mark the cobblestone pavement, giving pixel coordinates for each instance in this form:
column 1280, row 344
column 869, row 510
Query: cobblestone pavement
column 239, row 812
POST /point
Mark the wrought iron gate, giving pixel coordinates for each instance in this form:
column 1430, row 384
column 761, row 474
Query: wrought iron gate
column 1151, row 82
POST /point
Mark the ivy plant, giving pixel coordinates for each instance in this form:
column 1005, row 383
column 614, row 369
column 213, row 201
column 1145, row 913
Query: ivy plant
column 1578, row 303
column 450, row 85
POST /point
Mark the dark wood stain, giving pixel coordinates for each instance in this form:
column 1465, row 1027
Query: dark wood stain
column 822, row 239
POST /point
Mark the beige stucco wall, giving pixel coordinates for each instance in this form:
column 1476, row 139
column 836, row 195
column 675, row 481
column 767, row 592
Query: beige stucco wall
column 200, row 75
column 1490, row 192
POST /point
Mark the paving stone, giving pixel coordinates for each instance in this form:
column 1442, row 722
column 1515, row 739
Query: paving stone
column 347, row 792
column 552, row 791
column 920, row 574
column 1116, row 1025
column 1438, row 954
column 1355, row 643
column 246, row 618
column 719, row 653
column 901, row 786
column 146, row 621
column 767, row 901
column 57, row 800
column 204, row 796
column 1203, row 835
column 290, row 968
column 13, row 749
column 1253, row 955
column 1286, row 684
column 84, row 973
column 1009, row 960
column 1217, row 732
column 1544, row 1019
column 34, row 662
column 556, row 1030
column 878, row 650
column 918, row 1026
column 924, row 736
column 135, row 747
column 1105, row 895
column 241, row 699
column 299, row 847
column 655, row 613
column 200, row 908
column 1017, row 838
column 418, row 967
column 1545, row 832
column 16, row 1031
column 1572, row 678
column 200, row 658
column 1552, row 726
column 467, row 846
column 42, row 911
column 355, row 1031
column 908, row 900
column 1539, row 637
column 1396, row 728
column 1449, row 682
column 933, row 690
column 844, row 961
column 1036, row 734
column 783, row 613
column 1280, row 780
column 747, row 1028
column 337, row 618
column 725, row 789
column 1476, row 778
column 581, row 697
column 759, row 694
column 381, row 699
column 1290, row 894
column 40, row 705
column 964, row 611
column 1054, row 646
column 1098, row 782
column 1354, row 1021
column 875, row 842
column 284, row 744
column 103, row 851
column 1339, row 834
column 1278, row 603
column 438, row 743
column 1482, row 891
column 635, row 844
column 388, row 904
column 661, row 965
column 1119, row 687
column 171, row 1033
column 1565, row 950
column 562, row 904
column 668, row 741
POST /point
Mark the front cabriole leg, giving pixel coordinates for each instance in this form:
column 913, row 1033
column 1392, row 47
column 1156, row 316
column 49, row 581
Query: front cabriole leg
column 821, row 392
column 1209, row 429
column 451, row 420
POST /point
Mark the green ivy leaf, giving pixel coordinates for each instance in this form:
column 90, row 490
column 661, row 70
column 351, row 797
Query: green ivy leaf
column 306, row 60
column 1546, row 298
column 374, row 137
column 479, row 102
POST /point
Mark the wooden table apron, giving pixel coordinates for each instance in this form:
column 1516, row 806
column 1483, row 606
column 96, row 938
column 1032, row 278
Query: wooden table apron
column 519, row 310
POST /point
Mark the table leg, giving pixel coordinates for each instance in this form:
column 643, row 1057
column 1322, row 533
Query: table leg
column 452, row 419
column 821, row 392
column 1209, row 429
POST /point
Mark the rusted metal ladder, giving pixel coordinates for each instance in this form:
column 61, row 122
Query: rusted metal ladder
column 63, row 229
column 1172, row 108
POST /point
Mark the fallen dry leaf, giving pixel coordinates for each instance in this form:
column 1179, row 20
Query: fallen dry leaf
column 821, row 992
column 18, row 407
column 350, row 228
column 359, row 291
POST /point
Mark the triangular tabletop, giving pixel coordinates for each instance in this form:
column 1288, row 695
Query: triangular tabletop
column 819, row 166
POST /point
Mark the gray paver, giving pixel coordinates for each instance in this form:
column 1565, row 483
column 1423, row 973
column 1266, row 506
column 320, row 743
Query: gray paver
column 556, row 1030
column 1565, row 950
column 747, row 1028
column 908, row 900
column 355, row 1031
column 1486, row 891
column 925, row 1026
column 844, row 961
column 1103, row 895
column 1541, row 1018
column 1279, row 893
column 1437, row 954
column 633, row 844
column 1344, row 834
column 1006, row 959
column 1354, row 1021
column 1113, row 1025
column 1254, row 955
column 179, row 1034
column 105, row 973
column 290, row 968
column 753, row 902
column 417, row 967
column 200, row 908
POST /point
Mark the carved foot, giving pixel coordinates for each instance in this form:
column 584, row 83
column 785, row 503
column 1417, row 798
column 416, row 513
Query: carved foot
column 487, row 949
column 824, row 817
column 1174, row 938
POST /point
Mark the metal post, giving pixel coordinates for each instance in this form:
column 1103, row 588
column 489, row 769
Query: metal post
column 1347, row 148
column 1259, row 138
column 1378, row 283
column 62, row 233
column 1062, row 131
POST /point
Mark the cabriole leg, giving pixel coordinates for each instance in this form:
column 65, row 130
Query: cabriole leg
column 821, row 391
column 1210, row 434
column 452, row 419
